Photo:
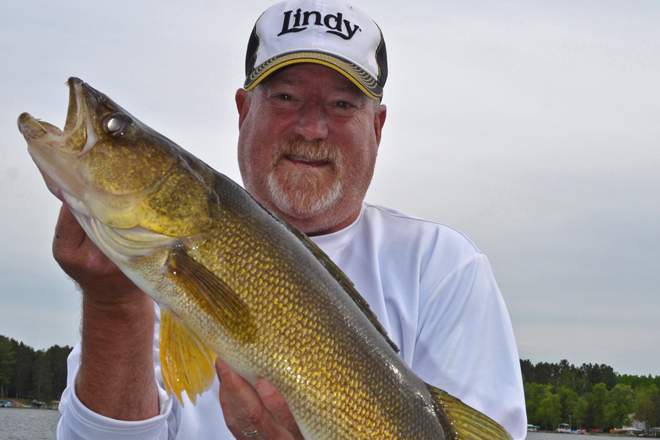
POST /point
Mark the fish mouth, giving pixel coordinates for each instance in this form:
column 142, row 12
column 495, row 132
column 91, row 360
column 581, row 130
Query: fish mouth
column 79, row 133
column 53, row 150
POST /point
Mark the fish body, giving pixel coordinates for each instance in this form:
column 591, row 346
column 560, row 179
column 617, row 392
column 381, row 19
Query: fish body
column 235, row 280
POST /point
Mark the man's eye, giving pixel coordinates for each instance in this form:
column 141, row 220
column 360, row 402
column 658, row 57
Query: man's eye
column 343, row 104
column 285, row 97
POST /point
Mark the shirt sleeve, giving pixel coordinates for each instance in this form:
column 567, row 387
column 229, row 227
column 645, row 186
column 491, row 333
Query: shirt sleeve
column 77, row 422
column 465, row 333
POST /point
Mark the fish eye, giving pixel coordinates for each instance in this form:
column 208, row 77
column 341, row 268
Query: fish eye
column 117, row 124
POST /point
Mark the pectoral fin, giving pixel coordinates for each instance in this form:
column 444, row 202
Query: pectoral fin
column 462, row 422
column 185, row 362
column 212, row 295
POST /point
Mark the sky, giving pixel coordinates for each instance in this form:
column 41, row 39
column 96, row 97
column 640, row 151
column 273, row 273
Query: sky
column 531, row 126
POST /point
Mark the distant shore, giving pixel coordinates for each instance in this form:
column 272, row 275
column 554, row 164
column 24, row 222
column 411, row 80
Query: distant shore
column 25, row 404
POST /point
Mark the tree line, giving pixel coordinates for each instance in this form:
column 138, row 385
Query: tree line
column 26, row 373
column 590, row 397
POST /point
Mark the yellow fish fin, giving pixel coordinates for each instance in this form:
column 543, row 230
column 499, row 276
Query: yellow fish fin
column 212, row 295
column 462, row 422
column 185, row 362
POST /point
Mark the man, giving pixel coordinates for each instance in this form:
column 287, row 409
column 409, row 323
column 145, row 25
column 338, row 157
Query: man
column 310, row 124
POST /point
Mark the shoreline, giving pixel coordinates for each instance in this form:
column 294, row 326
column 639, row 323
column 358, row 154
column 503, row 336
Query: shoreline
column 25, row 404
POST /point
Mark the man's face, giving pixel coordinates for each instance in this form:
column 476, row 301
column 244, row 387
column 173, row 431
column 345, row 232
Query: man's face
column 307, row 146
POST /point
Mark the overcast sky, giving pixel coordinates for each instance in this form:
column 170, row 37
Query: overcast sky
column 531, row 126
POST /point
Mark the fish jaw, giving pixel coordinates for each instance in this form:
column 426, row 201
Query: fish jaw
column 55, row 151
column 44, row 140
column 63, row 157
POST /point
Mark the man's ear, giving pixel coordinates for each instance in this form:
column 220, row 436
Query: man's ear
column 379, row 121
column 242, row 105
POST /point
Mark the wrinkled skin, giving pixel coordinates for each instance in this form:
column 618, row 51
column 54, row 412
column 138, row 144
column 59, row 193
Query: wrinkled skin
column 314, row 103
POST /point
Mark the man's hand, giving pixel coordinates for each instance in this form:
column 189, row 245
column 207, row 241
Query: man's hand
column 117, row 329
column 99, row 279
column 260, row 408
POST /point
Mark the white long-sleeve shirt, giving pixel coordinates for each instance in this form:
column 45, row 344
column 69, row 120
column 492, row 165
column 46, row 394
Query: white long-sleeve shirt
column 432, row 290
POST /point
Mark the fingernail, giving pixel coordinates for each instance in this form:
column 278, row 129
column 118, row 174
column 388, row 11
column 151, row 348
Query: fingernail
column 220, row 366
column 263, row 387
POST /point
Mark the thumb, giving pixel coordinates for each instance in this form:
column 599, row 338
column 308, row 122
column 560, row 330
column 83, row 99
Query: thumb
column 74, row 251
column 69, row 235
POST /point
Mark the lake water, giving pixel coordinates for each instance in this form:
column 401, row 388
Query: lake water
column 28, row 424
column 551, row 436
column 41, row 424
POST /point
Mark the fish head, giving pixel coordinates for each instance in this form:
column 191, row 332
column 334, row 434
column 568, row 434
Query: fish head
column 104, row 160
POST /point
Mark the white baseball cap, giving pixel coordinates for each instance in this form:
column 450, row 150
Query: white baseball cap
column 328, row 32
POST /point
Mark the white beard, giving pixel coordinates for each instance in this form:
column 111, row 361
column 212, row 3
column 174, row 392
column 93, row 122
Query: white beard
column 305, row 192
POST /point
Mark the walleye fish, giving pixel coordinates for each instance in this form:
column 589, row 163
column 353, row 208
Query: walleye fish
column 235, row 280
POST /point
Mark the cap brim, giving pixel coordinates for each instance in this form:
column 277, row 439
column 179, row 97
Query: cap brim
column 358, row 76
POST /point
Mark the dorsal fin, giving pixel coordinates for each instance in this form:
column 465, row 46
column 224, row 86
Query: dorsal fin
column 337, row 274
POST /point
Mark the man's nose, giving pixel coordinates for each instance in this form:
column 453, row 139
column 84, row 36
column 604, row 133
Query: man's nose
column 312, row 122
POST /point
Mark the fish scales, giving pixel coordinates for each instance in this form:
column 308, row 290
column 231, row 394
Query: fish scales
column 234, row 280
column 294, row 306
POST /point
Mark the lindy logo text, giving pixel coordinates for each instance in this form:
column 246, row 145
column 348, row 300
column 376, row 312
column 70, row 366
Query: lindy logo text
column 341, row 28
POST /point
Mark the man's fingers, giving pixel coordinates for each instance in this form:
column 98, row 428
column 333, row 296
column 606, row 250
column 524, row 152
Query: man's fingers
column 277, row 406
column 243, row 409
column 71, row 246
column 239, row 427
column 239, row 401
column 69, row 236
column 90, row 268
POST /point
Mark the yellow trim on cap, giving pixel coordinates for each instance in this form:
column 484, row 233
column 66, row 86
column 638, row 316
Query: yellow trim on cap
column 314, row 61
